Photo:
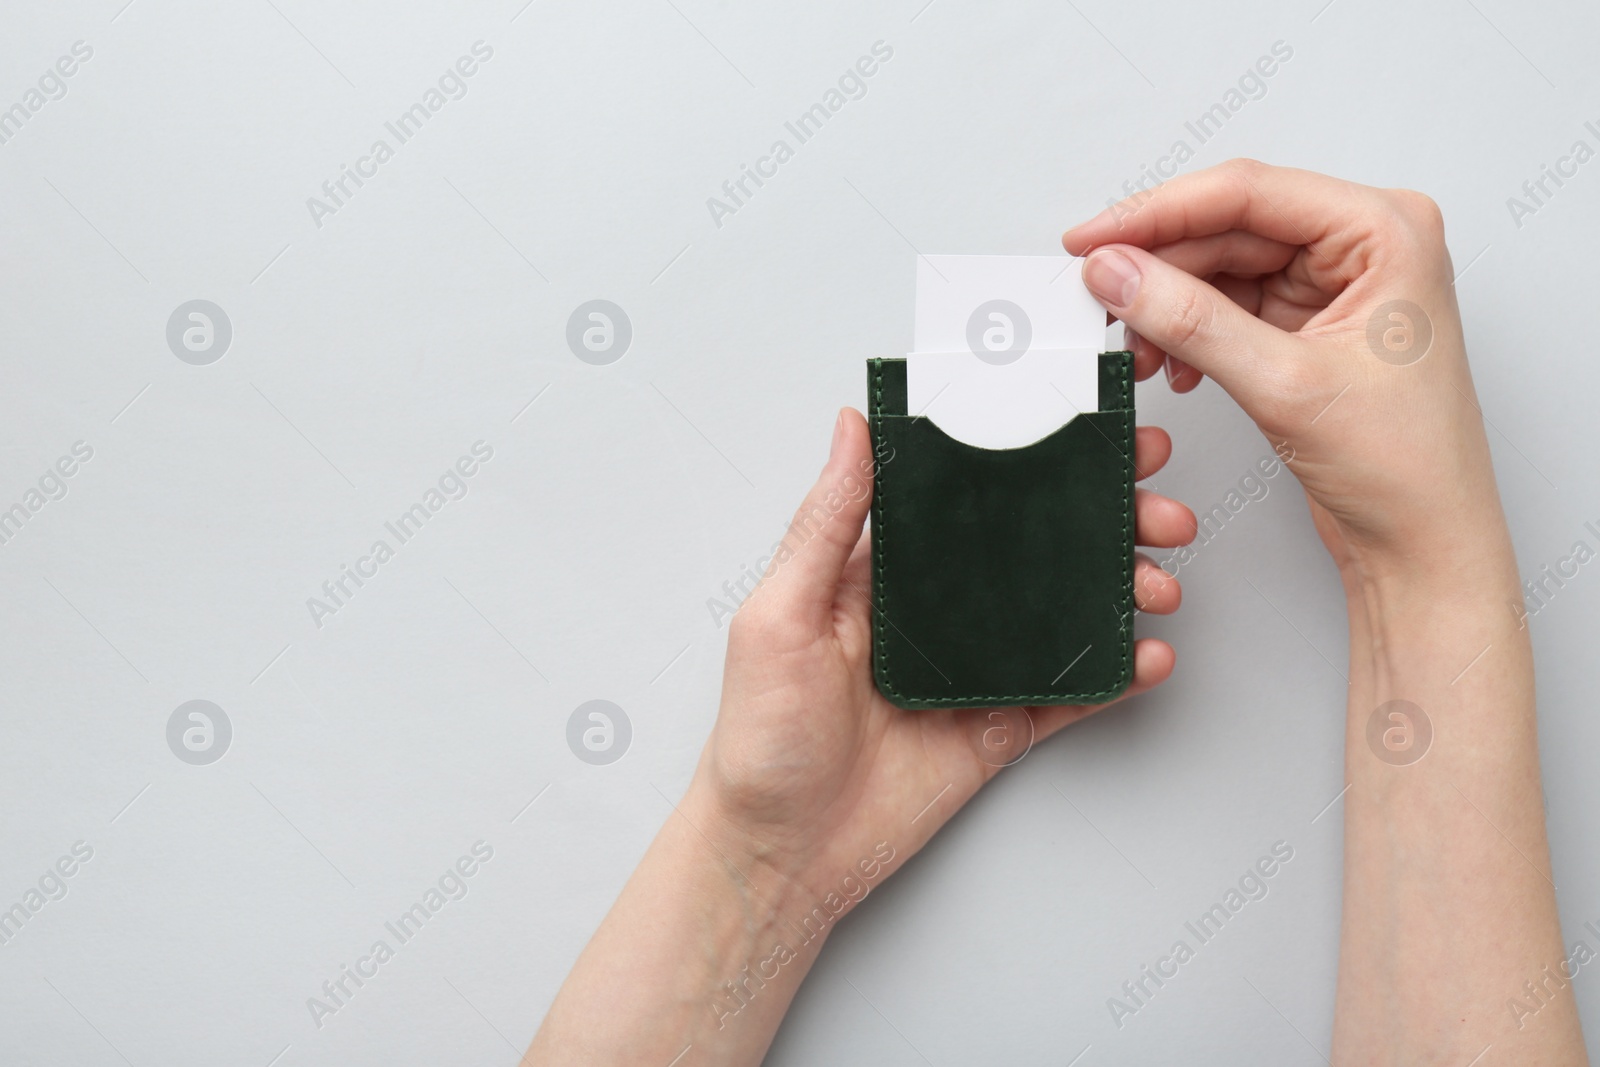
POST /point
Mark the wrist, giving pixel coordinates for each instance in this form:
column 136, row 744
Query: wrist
column 1428, row 629
column 800, row 882
column 767, row 818
column 771, row 876
column 699, row 938
column 1435, row 579
column 740, row 958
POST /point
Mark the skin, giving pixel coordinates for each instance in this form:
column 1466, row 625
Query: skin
column 1266, row 279
column 812, row 788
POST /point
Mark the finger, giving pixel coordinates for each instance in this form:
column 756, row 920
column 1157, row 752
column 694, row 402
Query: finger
column 1297, row 278
column 1295, row 207
column 1146, row 356
column 1188, row 318
column 1285, row 304
column 800, row 584
column 852, row 616
column 1152, row 447
column 1234, row 252
column 1154, row 590
column 1181, row 377
column 858, row 568
column 1152, row 664
column 1247, row 293
column 1161, row 522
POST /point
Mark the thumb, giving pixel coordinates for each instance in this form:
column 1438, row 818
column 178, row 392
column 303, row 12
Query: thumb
column 807, row 564
column 1188, row 318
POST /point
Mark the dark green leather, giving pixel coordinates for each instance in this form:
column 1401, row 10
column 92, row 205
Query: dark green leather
column 1002, row 576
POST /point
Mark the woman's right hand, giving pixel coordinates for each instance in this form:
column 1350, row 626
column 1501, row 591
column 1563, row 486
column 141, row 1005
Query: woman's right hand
column 1327, row 310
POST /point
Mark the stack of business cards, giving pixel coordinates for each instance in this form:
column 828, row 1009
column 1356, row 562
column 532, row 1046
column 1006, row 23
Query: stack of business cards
column 1005, row 348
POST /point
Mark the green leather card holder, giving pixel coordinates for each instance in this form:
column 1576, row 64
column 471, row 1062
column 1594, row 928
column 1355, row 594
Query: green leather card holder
column 1002, row 577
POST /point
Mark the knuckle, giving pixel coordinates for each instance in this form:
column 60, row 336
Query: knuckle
column 1245, row 167
column 1188, row 320
column 1422, row 214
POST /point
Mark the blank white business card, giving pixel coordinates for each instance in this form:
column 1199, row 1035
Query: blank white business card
column 1006, row 348
column 961, row 299
column 1002, row 406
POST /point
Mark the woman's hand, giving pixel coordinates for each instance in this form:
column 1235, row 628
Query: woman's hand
column 810, row 791
column 809, row 766
column 1327, row 310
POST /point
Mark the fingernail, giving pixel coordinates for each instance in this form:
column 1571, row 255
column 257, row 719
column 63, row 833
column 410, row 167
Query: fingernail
column 1166, row 365
column 1130, row 339
column 838, row 431
column 1112, row 277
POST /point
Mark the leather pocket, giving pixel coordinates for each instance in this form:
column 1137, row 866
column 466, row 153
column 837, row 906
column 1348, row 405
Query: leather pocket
column 1003, row 577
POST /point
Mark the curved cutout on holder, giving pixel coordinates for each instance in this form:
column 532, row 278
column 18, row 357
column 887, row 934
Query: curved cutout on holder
column 1002, row 406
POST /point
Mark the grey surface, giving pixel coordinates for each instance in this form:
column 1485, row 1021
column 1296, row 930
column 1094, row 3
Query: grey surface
column 370, row 353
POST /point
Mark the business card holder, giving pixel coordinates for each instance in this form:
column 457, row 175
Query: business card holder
column 1002, row 577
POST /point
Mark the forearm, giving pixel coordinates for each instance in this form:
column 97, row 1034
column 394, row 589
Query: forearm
column 696, row 954
column 1449, row 907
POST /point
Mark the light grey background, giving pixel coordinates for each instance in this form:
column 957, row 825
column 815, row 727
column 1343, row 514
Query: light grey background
column 368, row 354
